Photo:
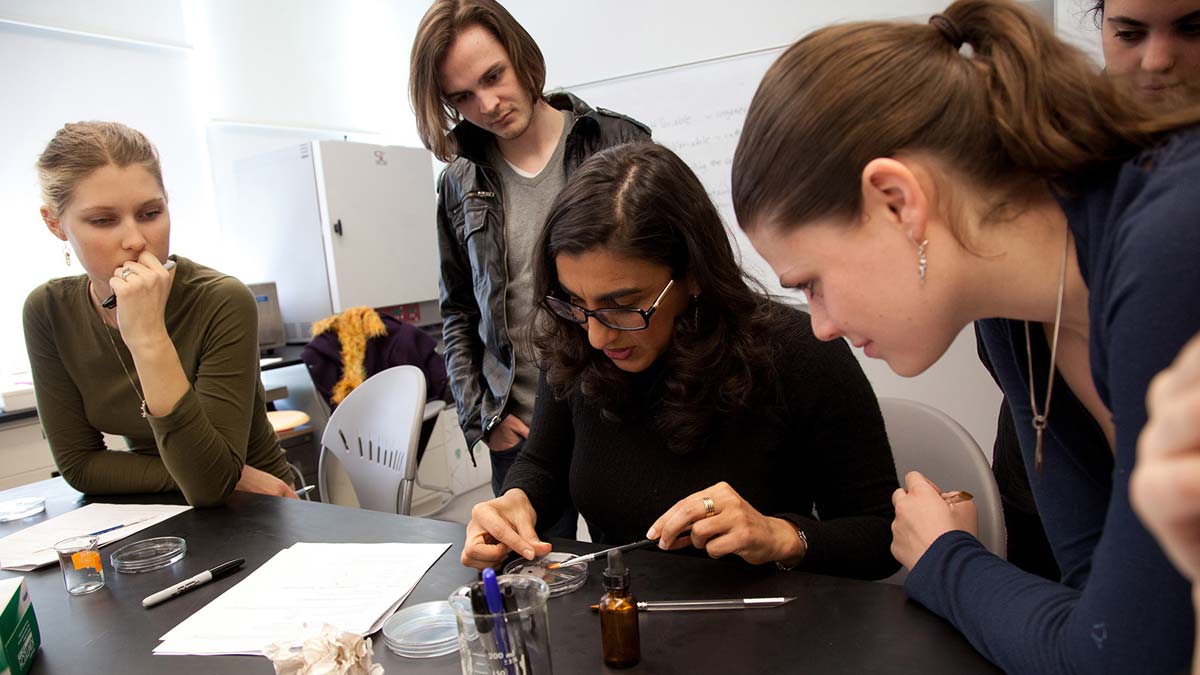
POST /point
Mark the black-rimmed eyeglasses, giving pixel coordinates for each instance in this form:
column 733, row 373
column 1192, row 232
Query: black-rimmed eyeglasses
column 617, row 318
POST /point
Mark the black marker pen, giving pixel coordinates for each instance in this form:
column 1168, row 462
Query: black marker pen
column 111, row 301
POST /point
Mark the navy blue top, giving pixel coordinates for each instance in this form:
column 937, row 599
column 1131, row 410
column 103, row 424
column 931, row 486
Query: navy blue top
column 1121, row 606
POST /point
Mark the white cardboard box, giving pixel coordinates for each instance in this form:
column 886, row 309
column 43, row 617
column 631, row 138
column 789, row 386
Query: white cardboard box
column 19, row 634
column 17, row 400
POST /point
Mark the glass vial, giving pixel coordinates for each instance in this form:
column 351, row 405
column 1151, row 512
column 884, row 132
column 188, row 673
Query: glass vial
column 619, row 639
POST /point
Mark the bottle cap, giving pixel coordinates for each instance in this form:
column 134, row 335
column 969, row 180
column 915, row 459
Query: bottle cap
column 616, row 577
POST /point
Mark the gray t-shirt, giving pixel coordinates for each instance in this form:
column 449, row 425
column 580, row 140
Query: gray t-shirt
column 527, row 201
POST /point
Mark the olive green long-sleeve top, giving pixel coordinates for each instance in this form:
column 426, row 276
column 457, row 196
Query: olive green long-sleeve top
column 201, row 445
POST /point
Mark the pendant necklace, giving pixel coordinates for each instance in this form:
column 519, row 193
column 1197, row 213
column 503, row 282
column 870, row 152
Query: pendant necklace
column 1039, row 419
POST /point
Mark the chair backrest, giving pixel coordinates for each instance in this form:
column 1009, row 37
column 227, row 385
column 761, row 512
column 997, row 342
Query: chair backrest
column 373, row 434
column 928, row 440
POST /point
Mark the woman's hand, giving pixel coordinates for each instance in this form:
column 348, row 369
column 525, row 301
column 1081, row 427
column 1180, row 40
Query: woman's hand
column 732, row 525
column 142, row 287
column 1165, row 487
column 501, row 525
column 263, row 483
column 924, row 513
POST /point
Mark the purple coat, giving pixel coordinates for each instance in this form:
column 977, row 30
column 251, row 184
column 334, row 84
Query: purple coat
column 404, row 345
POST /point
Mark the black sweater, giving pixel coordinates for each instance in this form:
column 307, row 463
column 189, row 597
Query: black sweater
column 824, row 449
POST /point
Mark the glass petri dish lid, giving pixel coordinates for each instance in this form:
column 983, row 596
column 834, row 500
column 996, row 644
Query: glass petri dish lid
column 561, row 581
column 422, row 631
column 16, row 509
column 429, row 654
column 148, row 555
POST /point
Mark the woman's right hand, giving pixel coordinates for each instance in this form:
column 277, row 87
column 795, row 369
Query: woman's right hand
column 142, row 287
column 923, row 513
column 501, row 525
column 263, row 483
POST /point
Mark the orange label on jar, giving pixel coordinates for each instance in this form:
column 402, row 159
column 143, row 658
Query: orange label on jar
column 83, row 559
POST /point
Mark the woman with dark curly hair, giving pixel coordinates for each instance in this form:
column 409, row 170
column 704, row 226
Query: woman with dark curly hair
column 675, row 396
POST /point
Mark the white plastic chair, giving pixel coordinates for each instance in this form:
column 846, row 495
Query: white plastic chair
column 374, row 433
column 928, row 440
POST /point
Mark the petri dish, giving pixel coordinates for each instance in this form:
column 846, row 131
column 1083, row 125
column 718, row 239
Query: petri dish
column 561, row 581
column 426, row 654
column 16, row 509
column 148, row 555
column 422, row 631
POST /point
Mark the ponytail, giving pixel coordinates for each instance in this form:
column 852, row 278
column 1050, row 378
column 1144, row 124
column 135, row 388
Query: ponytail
column 1019, row 108
column 1055, row 115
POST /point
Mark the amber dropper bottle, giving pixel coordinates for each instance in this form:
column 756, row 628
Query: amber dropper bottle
column 619, row 638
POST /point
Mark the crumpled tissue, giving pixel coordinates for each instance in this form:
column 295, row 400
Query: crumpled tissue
column 329, row 652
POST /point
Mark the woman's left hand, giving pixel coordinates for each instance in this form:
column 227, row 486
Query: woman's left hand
column 923, row 514
column 142, row 287
column 732, row 525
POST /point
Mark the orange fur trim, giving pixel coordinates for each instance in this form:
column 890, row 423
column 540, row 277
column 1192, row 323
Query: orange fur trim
column 353, row 328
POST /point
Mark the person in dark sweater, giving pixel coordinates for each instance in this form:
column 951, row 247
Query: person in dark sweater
column 1008, row 182
column 675, row 397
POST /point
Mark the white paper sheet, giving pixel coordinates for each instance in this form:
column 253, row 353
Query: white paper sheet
column 33, row 547
column 354, row 587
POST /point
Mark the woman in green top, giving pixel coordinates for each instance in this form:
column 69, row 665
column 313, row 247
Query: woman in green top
column 173, row 367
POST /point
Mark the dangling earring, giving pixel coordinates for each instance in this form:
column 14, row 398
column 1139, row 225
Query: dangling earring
column 696, row 309
column 922, row 262
column 67, row 253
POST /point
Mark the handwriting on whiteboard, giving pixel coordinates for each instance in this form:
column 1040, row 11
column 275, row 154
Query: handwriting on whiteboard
column 697, row 110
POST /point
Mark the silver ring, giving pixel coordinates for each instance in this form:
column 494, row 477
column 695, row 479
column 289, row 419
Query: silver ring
column 710, row 508
column 125, row 271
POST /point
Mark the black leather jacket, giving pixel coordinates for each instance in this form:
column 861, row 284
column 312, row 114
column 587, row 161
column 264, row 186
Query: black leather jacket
column 474, row 272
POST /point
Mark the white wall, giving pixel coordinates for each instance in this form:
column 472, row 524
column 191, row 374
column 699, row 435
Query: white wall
column 157, row 21
column 281, row 72
column 313, row 63
column 1075, row 23
column 627, row 36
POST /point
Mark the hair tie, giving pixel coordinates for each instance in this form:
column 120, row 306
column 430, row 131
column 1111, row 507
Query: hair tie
column 948, row 29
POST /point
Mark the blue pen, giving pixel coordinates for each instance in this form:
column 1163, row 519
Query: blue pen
column 491, row 592
column 100, row 532
column 114, row 527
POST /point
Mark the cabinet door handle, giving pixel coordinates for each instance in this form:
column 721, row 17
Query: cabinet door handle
column 337, row 227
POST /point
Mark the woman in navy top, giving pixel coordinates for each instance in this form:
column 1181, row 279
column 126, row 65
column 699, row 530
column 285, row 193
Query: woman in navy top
column 914, row 178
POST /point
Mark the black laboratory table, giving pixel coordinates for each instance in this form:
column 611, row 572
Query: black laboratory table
column 835, row 625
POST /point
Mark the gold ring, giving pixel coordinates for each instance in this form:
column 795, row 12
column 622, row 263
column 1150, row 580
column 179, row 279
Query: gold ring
column 710, row 509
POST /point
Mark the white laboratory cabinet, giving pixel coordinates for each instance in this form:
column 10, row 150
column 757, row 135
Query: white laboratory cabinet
column 335, row 225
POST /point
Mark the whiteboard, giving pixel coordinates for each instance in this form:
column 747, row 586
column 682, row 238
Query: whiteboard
column 697, row 110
